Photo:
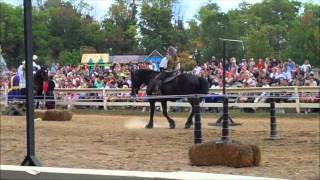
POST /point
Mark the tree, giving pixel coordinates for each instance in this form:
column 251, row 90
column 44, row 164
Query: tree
column 70, row 57
column 304, row 37
column 272, row 21
column 155, row 24
column 213, row 25
column 120, row 28
column 11, row 34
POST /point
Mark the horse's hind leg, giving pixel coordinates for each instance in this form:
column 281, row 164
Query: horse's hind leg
column 150, row 124
column 189, row 121
column 171, row 122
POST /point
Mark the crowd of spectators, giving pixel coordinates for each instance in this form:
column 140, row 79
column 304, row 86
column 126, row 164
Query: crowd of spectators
column 257, row 73
column 240, row 73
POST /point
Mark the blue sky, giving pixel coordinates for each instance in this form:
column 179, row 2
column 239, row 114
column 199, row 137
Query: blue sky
column 189, row 7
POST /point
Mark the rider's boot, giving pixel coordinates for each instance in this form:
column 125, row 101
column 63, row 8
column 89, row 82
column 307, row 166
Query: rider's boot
column 157, row 88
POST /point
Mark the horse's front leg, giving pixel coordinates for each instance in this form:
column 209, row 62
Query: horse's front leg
column 189, row 121
column 37, row 98
column 171, row 122
column 150, row 124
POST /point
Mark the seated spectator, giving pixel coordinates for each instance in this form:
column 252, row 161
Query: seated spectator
column 306, row 68
column 260, row 64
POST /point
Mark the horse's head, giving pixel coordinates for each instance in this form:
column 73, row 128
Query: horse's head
column 135, row 82
column 41, row 76
column 139, row 77
column 43, row 73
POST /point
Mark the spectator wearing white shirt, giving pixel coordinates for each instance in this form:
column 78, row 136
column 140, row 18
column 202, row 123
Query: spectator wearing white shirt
column 197, row 70
column 306, row 67
column 163, row 63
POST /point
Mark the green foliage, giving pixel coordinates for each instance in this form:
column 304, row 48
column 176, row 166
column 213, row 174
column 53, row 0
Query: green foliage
column 187, row 64
column 120, row 28
column 155, row 24
column 304, row 37
column 11, row 34
column 63, row 30
column 70, row 57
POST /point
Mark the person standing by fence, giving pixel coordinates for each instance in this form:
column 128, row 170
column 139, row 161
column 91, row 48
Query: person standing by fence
column 14, row 89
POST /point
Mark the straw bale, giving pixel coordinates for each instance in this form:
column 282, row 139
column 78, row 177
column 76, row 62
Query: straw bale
column 38, row 113
column 232, row 154
column 57, row 115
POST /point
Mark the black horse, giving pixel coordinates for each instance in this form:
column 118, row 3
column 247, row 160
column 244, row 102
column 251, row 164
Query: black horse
column 183, row 84
column 39, row 78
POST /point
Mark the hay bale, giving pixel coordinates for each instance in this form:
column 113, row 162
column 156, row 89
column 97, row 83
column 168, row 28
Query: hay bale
column 38, row 113
column 57, row 115
column 232, row 154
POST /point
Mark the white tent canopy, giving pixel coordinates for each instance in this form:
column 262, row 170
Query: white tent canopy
column 3, row 64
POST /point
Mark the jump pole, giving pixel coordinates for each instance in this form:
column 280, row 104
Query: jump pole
column 197, row 120
column 273, row 122
column 30, row 159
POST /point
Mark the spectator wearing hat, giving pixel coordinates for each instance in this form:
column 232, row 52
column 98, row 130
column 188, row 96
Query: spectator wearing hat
column 36, row 67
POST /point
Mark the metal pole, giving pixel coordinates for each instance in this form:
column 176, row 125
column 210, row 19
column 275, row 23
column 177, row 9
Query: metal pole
column 197, row 121
column 224, row 67
column 225, row 122
column 30, row 159
column 225, row 98
column 273, row 123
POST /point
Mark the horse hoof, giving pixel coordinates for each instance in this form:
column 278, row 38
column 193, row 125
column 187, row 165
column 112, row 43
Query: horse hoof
column 148, row 126
column 187, row 126
column 172, row 126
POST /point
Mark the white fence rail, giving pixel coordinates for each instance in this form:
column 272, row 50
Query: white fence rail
column 120, row 97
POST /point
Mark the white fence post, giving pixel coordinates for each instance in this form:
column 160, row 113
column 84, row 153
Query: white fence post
column 296, row 92
column 4, row 97
column 106, row 92
column 104, row 95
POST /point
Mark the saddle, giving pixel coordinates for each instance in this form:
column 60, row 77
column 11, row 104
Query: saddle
column 172, row 77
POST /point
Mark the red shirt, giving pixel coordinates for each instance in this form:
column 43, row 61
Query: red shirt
column 260, row 65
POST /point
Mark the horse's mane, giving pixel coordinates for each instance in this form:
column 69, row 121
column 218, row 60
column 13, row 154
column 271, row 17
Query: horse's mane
column 144, row 71
column 143, row 76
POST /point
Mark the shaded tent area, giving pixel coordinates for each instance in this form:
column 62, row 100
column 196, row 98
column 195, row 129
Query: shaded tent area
column 104, row 60
column 91, row 60
column 126, row 59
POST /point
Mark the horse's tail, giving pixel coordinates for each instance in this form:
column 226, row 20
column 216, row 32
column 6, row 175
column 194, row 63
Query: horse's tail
column 204, row 86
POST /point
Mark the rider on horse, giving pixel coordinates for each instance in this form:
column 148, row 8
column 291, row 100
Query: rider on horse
column 169, row 65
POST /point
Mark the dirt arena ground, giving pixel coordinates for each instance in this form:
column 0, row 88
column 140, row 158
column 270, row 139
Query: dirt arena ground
column 122, row 142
